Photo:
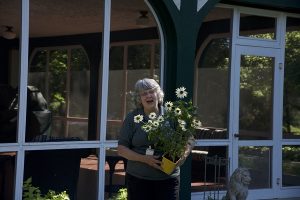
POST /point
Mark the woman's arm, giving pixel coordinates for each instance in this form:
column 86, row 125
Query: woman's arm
column 131, row 155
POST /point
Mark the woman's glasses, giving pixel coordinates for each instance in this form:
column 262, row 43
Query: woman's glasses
column 145, row 93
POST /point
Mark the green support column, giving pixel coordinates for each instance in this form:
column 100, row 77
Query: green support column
column 180, row 25
column 180, row 29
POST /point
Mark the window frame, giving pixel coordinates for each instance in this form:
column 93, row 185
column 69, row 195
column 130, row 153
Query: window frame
column 20, row 147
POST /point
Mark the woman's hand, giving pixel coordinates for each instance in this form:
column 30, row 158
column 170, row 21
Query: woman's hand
column 127, row 153
column 152, row 161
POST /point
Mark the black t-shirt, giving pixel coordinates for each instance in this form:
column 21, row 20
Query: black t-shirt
column 133, row 137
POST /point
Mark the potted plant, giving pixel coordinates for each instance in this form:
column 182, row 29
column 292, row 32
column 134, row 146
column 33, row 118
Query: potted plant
column 171, row 132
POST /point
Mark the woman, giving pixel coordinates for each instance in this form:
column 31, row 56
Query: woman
column 145, row 180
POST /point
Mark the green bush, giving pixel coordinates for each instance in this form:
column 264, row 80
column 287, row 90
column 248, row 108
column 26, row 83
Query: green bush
column 121, row 195
column 33, row 193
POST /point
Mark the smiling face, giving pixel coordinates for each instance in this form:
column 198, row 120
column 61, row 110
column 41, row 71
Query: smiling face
column 149, row 100
column 148, row 95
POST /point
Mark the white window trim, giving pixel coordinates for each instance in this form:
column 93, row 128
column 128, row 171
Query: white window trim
column 22, row 99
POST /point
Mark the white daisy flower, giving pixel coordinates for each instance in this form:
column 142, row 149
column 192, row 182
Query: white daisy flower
column 146, row 128
column 160, row 119
column 155, row 123
column 152, row 115
column 183, row 128
column 196, row 124
column 168, row 105
column 181, row 122
column 177, row 111
column 181, row 93
column 138, row 118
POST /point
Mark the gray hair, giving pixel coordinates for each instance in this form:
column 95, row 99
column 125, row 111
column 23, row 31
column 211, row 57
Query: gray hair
column 147, row 84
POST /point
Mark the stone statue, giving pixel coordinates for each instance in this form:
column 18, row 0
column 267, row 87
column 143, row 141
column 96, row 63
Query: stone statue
column 238, row 185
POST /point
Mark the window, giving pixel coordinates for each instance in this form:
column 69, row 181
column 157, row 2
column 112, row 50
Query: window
column 291, row 105
column 210, row 157
column 128, row 63
column 212, row 83
column 257, row 26
column 63, row 77
column 70, row 78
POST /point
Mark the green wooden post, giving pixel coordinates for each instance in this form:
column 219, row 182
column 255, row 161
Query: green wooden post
column 180, row 28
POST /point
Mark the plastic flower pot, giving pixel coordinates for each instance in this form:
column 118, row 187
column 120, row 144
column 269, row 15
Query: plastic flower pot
column 167, row 165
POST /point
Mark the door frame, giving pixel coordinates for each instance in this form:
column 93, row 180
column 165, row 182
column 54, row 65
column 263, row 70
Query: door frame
column 247, row 44
column 276, row 126
column 259, row 47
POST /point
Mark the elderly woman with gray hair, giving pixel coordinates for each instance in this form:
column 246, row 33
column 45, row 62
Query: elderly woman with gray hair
column 145, row 179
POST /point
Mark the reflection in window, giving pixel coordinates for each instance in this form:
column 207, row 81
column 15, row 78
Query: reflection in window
column 256, row 91
column 257, row 26
column 72, row 170
column 258, row 161
column 213, row 89
column 138, row 68
column 7, row 174
column 134, row 54
column 116, row 77
column 291, row 166
column 209, row 169
column 38, row 69
column 79, row 90
column 128, row 63
column 114, row 172
column 291, row 103
column 63, row 77
column 57, row 81
column 8, row 113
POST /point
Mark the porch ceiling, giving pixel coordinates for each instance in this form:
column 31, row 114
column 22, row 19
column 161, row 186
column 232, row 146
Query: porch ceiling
column 70, row 17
